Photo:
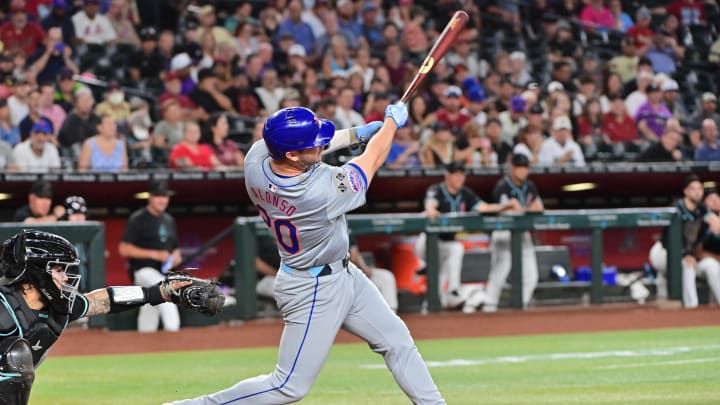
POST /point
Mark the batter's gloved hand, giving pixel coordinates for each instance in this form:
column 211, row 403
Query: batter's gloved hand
column 201, row 295
column 398, row 112
column 365, row 132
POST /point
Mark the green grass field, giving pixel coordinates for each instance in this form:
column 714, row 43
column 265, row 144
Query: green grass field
column 665, row 366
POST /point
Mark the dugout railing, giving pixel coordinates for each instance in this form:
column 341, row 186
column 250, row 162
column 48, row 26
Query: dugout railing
column 246, row 229
column 89, row 234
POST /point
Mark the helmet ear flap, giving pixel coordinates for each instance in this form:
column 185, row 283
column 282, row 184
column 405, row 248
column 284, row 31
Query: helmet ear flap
column 14, row 259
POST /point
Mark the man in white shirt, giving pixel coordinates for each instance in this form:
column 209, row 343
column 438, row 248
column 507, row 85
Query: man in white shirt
column 92, row 27
column 560, row 149
column 345, row 116
column 513, row 120
column 36, row 154
column 18, row 102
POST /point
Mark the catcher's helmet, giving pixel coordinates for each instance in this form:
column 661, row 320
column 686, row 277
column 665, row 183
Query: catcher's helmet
column 31, row 256
column 295, row 128
column 75, row 205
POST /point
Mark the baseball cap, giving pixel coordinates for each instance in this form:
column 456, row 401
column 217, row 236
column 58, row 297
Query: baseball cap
column 43, row 126
column 180, row 61
column 555, row 86
column 520, row 160
column 159, row 188
column 652, row 88
column 670, row 85
column 171, row 76
column 59, row 4
column 341, row 3
column 629, row 40
column 476, row 94
column 369, row 6
column 643, row 12
column 75, row 205
column 87, row 2
column 6, row 58
column 297, row 50
column 42, row 189
column 708, row 97
column 532, row 86
column 562, row 123
column 148, row 34
column 454, row 167
column 453, row 91
column 517, row 104
column 206, row 9
column 517, row 55
column 469, row 82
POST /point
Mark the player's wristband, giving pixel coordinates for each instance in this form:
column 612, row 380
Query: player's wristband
column 128, row 297
column 341, row 139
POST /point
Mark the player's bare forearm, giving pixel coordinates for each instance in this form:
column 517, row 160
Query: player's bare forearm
column 98, row 302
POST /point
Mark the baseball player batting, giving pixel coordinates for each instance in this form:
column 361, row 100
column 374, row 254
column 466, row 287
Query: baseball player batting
column 303, row 202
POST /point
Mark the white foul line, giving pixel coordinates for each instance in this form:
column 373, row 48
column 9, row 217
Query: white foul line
column 661, row 363
column 668, row 351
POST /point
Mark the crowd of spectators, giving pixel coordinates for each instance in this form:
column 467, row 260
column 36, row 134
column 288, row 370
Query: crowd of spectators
column 112, row 85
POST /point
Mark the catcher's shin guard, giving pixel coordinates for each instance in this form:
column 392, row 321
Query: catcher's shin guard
column 17, row 372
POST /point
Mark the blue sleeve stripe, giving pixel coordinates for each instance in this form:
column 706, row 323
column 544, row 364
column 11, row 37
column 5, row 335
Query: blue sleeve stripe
column 361, row 172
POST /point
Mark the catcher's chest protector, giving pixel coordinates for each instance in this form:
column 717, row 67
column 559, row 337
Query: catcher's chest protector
column 40, row 328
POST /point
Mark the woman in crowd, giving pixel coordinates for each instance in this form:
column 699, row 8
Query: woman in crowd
column 336, row 57
column 8, row 132
column 439, row 149
column 479, row 152
column 190, row 154
column 104, row 152
column 613, row 85
column 245, row 43
column 225, row 150
column 530, row 140
column 590, row 126
column 419, row 119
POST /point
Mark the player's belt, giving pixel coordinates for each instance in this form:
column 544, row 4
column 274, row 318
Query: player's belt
column 317, row 271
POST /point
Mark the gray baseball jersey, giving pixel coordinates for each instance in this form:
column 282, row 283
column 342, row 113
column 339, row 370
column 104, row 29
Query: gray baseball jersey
column 306, row 213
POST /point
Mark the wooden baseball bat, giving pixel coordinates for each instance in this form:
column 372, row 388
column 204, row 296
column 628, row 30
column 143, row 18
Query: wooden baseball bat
column 447, row 36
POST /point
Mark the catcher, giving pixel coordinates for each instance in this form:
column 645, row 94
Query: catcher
column 38, row 295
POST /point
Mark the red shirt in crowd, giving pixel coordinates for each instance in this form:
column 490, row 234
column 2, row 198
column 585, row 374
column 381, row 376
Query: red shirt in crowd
column 183, row 100
column 26, row 40
column 454, row 123
column 201, row 159
column 687, row 12
column 622, row 131
column 638, row 32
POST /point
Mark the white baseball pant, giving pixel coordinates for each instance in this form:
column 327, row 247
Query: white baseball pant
column 658, row 259
column 450, row 258
column 709, row 268
column 149, row 316
column 265, row 287
column 383, row 279
column 501, row 264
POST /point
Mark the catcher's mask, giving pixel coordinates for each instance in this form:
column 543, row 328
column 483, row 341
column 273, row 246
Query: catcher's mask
column 47, row 261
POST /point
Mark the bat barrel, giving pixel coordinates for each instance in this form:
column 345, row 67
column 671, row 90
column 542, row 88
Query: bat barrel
column 438, row 50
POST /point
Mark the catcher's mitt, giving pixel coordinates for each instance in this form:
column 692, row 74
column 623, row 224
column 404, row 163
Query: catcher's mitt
column 202, row 295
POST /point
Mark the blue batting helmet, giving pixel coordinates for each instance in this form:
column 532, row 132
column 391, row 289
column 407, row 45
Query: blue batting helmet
column 296, row 128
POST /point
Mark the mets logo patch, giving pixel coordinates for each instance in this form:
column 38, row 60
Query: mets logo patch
column 355, row 181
